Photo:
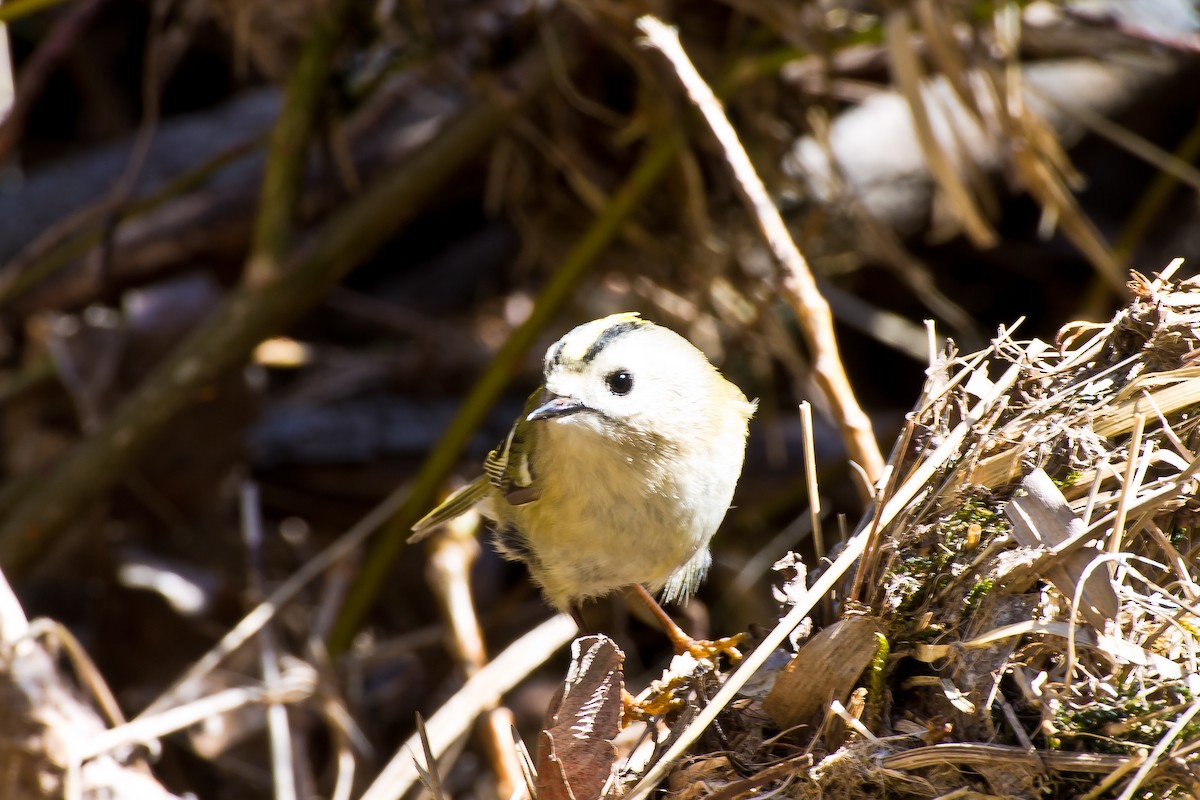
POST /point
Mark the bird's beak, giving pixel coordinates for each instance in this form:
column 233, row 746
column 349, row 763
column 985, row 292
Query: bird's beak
column 556, row 407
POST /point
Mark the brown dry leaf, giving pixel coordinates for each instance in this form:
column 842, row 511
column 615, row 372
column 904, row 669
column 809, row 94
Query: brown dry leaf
column 576, row 751
column 825, row 669
column 1042, row 518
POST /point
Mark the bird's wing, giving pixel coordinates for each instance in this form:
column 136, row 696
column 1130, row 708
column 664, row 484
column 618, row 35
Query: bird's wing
column 506, row 468
column 454, row 505
column 509, row 467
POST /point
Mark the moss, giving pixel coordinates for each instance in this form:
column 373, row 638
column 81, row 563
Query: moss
column 1070, row 479
column 978, row 591
column 1181, row 537
column 923, row 571
column 1127, row 722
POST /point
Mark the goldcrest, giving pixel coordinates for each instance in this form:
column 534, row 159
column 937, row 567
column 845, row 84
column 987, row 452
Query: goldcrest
column 620, row 468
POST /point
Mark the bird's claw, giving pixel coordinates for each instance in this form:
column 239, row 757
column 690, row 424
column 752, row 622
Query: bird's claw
column 709, row 649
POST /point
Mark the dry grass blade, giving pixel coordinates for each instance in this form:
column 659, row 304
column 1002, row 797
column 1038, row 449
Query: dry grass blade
column 428, row 772
column 1042, row 518
column 1157, row 753
column 1168, row 163
column 283, row 766
column 956, row 753
column 907, row 71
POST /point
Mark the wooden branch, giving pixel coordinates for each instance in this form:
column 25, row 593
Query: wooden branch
column 35, row 511
column 795, row 279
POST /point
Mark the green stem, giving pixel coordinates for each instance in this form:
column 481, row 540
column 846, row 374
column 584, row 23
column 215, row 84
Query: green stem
column 287, row 160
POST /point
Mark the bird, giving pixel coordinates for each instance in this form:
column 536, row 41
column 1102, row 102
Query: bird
column 618, row 471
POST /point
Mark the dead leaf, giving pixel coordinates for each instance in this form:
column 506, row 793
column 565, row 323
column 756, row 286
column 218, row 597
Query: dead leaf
column 1043, row 518
column 576, row 751
column 825, row 669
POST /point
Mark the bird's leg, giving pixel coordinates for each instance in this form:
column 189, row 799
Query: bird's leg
column 580, row 620
column 698, row 648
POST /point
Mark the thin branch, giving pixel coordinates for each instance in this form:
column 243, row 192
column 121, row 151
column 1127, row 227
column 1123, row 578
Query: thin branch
column 279, row 731
column 39, row 68
column 798, row 286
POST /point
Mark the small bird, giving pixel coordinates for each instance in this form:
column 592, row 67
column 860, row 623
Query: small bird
column 620, row 468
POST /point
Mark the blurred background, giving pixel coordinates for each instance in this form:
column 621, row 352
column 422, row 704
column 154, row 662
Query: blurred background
column 292, row 243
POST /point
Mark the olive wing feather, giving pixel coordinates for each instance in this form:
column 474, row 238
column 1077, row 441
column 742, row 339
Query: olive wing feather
column 455, row 505
column 506, row 468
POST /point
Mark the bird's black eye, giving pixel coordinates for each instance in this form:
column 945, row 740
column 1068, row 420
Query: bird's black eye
column 619, row 382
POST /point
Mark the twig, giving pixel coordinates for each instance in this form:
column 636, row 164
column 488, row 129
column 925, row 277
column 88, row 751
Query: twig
column 279, row 731
column 851, row 721
column 16, row 9
column 798, row 286
column 456, row 716
column 252, row 623
column 37, row 511
column 451, row 557
column 287, row 159
column 68, row 240
column 8, row 83
column 160, row 57
column 147, row 728
column 810, row 479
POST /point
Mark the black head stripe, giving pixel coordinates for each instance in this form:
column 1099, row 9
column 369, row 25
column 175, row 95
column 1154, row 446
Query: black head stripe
column 554, row 357
column 610, row 335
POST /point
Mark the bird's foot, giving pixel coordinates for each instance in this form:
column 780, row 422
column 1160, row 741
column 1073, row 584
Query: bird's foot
column 710, row 649
column 661, row 700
